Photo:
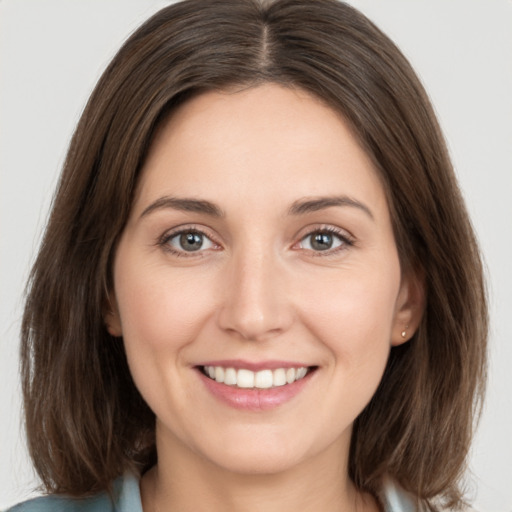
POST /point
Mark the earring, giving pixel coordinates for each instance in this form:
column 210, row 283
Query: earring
column 403, row 334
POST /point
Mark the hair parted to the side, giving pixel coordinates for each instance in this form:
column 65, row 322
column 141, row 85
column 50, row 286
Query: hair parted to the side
column 85, row 420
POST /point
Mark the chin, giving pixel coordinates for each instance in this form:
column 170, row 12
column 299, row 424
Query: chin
column 262, row 454
column 257, row 462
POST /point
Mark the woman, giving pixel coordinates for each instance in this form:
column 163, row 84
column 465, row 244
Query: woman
column 258, row 286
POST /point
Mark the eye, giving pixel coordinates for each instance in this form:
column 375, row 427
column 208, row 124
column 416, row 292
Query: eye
column 188, row 241
column 324, row 240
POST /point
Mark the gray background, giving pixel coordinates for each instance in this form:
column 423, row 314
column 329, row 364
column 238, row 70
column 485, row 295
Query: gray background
column 53, row 51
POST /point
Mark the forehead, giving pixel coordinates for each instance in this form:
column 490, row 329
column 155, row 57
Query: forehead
column 261, row 139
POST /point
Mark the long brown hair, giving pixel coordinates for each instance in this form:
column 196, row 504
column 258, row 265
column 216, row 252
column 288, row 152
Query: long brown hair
column 85, row 420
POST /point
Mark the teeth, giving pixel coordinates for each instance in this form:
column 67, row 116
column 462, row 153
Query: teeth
column 279, row 377
column 245, row 379
column 264, row 379
column 248, row 379
column 229, row 376
column 219, row 374
column 301, row 373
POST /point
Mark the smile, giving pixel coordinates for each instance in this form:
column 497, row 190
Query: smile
column 247, row 379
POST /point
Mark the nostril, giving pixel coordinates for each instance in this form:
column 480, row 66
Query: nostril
column 253, row 322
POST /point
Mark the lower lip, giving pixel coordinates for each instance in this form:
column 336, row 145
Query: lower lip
column 254, row 399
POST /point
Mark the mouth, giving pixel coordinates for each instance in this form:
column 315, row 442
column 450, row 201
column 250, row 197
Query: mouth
column 243, row 378
column 255, row 387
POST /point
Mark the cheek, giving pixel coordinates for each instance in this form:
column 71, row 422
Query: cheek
column 353, row 313
column 160, row 308
column 161, row 312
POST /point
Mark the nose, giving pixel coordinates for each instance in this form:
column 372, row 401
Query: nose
column 256, row 303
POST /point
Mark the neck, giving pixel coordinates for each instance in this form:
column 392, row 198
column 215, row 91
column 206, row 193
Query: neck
column 186, row 482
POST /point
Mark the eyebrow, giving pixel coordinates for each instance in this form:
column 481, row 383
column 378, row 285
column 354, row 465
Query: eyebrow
column 303, row 206
column 184, row 204
column 299, row 207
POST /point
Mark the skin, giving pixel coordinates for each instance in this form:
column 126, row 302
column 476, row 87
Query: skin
column 258, row 290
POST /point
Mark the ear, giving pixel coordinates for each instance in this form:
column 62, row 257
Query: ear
column 410, row 305
column 111, row 316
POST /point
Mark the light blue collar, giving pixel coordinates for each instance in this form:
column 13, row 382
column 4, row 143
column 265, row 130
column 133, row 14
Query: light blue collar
column 395, row 499
column 129, row 497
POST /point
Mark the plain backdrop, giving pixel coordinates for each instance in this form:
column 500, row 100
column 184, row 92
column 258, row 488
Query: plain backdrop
column 53, row 51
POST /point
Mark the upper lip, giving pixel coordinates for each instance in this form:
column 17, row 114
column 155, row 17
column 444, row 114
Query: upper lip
column 253, row 365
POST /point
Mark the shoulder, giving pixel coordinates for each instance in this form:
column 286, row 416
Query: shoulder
column 99, row 503
column 126, row 498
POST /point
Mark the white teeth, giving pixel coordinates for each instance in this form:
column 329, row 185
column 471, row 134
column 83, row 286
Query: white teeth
column 279, row 377
column 301, row 373
column 229, row 376
column 264, row 379
column 245, row 379
column 219, row 374
column 248, row 379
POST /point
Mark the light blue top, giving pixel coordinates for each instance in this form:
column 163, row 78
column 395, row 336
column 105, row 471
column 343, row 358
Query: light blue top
column 126, row 494
column 127, row 499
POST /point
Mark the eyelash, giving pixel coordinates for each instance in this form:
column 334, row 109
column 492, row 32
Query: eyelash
column 164, row 240
column 345, row 239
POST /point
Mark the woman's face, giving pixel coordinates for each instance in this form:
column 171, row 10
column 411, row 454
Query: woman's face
column 259, row 248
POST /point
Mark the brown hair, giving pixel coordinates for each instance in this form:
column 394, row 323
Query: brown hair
column 86, row 422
